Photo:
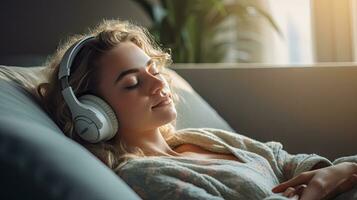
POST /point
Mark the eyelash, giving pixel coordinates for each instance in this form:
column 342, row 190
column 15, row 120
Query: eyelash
column 136, row 85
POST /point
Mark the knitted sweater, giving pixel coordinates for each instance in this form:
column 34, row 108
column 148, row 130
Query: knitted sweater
column 264, row 166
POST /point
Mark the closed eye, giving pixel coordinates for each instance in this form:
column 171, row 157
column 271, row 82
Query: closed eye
column 132, row 87
column 136, row 85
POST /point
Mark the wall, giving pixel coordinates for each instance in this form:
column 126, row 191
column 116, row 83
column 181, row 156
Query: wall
column 31, row 30
column 308, row 109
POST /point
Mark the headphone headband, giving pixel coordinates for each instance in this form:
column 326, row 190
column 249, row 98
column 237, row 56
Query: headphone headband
column 74, row 105
column 69, row 56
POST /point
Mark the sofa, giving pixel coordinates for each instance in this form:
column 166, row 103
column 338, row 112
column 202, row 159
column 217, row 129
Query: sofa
column 38, row 161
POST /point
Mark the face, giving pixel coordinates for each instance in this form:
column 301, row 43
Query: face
column 130, row 82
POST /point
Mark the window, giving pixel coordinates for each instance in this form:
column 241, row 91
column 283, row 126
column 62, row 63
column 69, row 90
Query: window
column 313, row 31
column 294, row 45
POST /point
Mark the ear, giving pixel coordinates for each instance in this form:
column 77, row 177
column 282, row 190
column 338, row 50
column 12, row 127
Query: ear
column 42, row 89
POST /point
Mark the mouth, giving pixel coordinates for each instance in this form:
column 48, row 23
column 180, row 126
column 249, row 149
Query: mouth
column 164, row 102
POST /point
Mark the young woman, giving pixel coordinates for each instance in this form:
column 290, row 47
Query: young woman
column 125, row 69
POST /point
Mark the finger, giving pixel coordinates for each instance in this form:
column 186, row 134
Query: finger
column 289, row 191
column 300, row 179
column 295, row 197
column 292, row 191
column 300, row 189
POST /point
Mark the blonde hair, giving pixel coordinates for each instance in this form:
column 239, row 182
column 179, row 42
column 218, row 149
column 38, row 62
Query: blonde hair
column 108, row 34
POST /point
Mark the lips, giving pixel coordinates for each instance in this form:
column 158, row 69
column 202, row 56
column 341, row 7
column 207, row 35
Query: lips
column 162, row 102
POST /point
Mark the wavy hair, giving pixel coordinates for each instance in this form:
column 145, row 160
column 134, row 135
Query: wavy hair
column 108, row 34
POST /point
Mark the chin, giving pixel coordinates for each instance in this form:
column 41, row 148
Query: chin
column 171, row 117
column 165, row 117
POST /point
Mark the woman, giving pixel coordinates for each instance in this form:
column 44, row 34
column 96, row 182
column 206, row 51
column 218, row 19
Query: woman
column 125, row 68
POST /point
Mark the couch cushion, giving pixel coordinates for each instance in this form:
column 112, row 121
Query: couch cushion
column 38, row 162
column 27, row 77
column 192, row 110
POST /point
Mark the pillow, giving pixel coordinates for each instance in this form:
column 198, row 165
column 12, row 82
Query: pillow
column 192, row 110
column 38, row 162
column 26, row 77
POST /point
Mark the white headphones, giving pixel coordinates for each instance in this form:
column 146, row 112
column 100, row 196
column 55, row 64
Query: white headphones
column 94, row 119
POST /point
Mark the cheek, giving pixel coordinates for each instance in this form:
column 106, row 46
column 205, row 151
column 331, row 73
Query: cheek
column 131, row 107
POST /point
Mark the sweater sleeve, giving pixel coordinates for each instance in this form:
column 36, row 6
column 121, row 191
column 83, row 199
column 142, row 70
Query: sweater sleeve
column 285, row 165
column 345, row 159
column 292, row 165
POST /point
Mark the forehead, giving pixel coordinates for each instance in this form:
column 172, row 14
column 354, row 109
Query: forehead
column 125, row 56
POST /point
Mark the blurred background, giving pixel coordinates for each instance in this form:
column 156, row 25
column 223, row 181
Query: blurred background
column 197, row 31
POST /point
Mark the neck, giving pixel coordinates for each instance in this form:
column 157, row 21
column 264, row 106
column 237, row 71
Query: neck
column 151, row 142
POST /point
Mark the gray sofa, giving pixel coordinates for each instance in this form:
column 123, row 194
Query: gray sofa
column 38, row 162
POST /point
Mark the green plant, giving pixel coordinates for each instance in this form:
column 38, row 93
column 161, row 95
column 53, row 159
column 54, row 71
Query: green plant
column 191, row 28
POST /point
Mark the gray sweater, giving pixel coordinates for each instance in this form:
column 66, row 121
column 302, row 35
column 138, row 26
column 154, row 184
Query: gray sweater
column 264, row 166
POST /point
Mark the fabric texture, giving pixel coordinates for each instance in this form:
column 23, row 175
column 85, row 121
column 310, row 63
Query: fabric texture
column 264, row 166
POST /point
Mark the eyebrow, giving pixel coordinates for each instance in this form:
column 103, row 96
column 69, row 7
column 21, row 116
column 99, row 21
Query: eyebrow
column 130, row 71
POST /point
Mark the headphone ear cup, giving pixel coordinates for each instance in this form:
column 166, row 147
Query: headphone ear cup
column 103, row 107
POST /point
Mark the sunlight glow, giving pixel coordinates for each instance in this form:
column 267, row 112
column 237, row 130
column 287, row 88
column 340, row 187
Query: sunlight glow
column 294, row 19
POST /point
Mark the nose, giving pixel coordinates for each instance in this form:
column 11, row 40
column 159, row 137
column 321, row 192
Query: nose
column 158, row 87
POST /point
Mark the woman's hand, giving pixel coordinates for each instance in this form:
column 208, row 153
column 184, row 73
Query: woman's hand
column 323, row 183
column 294, row 192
